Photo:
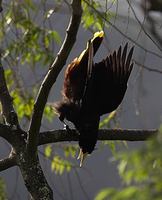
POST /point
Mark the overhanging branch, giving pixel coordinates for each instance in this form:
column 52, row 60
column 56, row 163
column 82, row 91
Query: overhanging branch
column 52, row 74
column 54, row 136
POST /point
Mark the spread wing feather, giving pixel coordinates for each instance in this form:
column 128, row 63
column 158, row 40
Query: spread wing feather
column 108, row 83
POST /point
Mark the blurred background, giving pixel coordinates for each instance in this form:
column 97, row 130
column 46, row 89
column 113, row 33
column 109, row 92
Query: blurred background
column 31, row 35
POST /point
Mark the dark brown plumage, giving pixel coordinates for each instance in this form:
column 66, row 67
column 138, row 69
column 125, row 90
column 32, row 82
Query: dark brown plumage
column 91, row 91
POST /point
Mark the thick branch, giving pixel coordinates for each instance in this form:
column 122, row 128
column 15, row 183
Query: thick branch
column 8, row 162
column 52, row 74
column 54, row 136
column 34, row 178
column 6, row 101
column 6, row 133
column 104, row 134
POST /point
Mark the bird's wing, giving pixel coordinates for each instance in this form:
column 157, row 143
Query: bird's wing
column 108, row 82
column 77, row 72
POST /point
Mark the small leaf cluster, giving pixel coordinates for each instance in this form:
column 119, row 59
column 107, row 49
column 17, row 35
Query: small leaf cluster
column 60, row 164
column 94, row 20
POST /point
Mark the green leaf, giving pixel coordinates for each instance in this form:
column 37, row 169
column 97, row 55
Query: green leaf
column 55, row 35
column 59, row 165
column 70, row 150
column 107, row 120
column 2, row 190
column 104, row 194
column 122, row 166
column 49, row 113
column 48, row 151
column 95, row 20
column 127, row 193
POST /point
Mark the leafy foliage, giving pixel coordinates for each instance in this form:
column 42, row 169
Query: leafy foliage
column 2, row 190
column 26, row 42
column 59, row 162
column 140, row 171
column 106, row 121
column 59, row 165
column 93, row 20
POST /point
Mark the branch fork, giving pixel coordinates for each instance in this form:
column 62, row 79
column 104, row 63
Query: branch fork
column 24, row 149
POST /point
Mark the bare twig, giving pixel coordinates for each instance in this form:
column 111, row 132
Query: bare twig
column 148, row 6
column 154, row 31
column 142, row 27
column 104, row 134
column 147, row 68
column 119, row 31
column 52, row 74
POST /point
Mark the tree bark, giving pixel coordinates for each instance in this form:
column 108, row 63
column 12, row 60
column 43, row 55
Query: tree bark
column 24, row 144
column 34, row 178
column 52, row 74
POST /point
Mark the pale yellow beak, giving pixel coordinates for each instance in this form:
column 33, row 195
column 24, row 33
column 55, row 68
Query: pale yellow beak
column 81, row 157
column 97, row 34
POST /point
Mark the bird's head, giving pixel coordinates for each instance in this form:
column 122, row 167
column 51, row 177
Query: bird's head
column 96, row 41
column 68, row 110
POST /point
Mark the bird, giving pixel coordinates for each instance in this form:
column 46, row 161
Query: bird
column 93, row 89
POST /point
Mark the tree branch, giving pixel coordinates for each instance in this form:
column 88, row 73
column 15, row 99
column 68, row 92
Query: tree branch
column 34, row 178
column 8, row 162
column 6, row 133
column 6, row 101
column 54, row 136
column 52, row 74
column 142, row 27
column 1, row 9
column 119, row 31
column 147, row 68
column 153, row 30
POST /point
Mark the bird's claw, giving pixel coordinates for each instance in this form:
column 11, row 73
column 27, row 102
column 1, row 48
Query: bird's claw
column 66, row 127
column 81, row 157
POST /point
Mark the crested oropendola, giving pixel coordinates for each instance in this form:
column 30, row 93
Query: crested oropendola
column 93, row 89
